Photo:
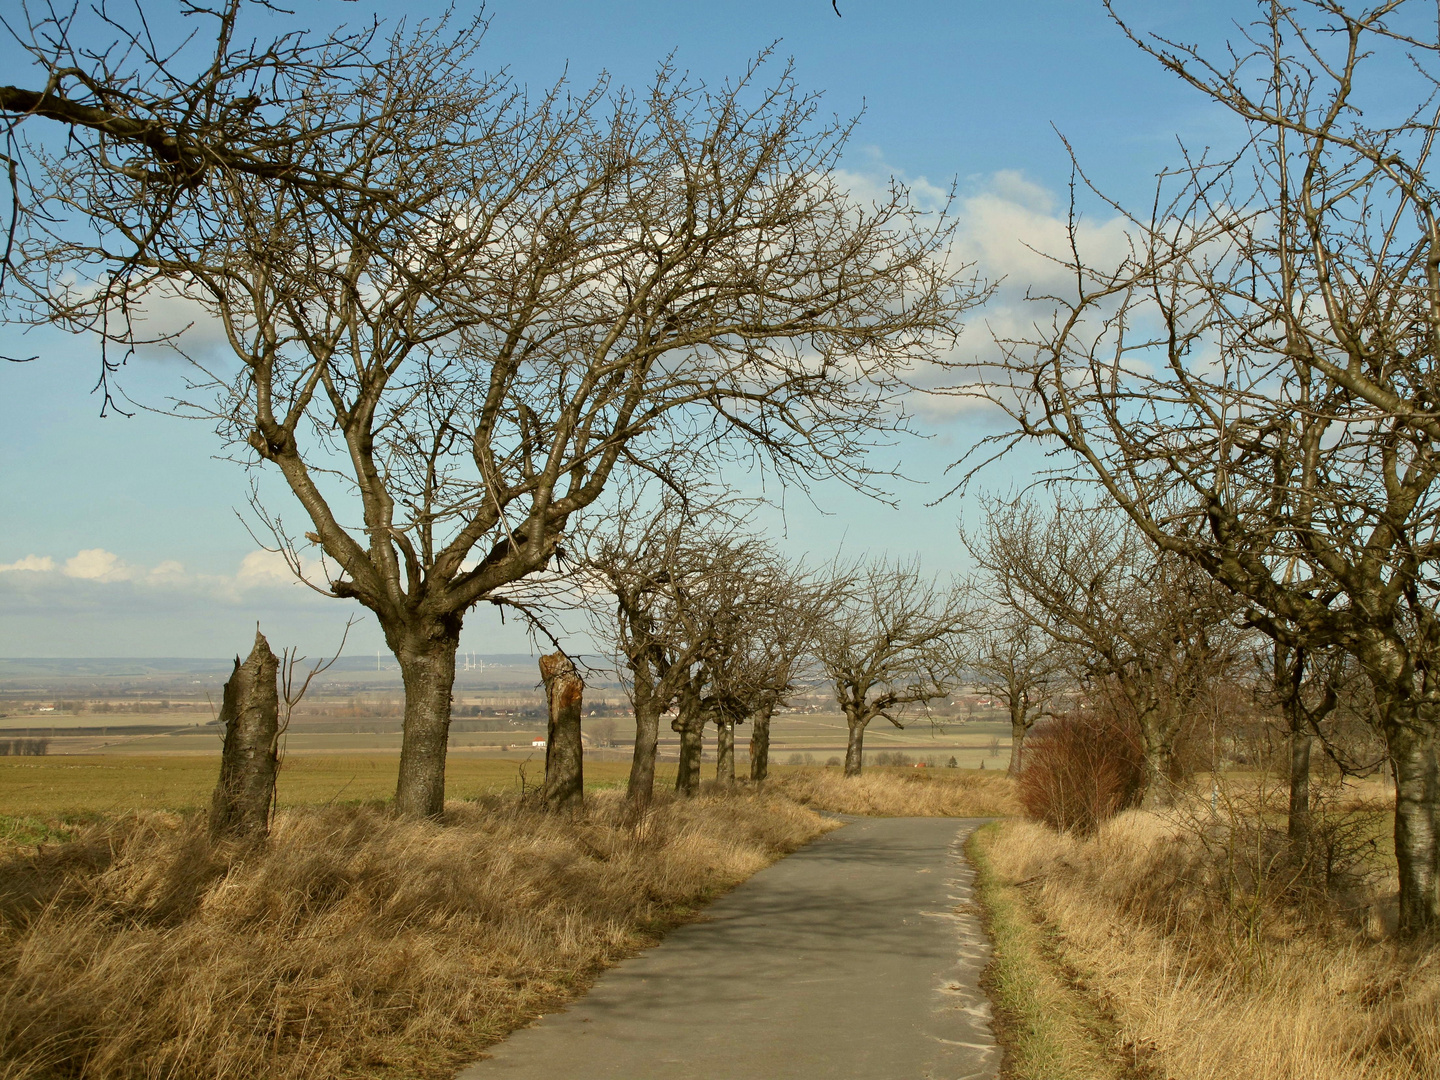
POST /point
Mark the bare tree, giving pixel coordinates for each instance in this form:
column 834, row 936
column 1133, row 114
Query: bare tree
column 705, row 617
column 893, row 641
column 668, row 574
column 1122, row 615
column 1254, row 383
column 574, row 288
column 158, row 126
column 1018, row 663
column 762, row 637
column 782, row 650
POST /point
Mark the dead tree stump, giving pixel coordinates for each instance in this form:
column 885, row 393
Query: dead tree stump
column 564, row 752
column 251, row 714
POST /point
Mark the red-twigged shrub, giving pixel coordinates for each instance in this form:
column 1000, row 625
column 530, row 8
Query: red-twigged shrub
column 1081, row 769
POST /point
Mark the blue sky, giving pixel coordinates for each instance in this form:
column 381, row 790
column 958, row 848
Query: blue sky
column 121, row 536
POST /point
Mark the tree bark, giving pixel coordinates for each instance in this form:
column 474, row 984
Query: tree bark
column 1412, row 735
column 564, row 749
column 855, row 744
column 1157, row 741
column 1157, row 779
column 647, row 737
column 760, row 745
column 427, row 668
column 725, row 752
column 690, row 723
column 1298, row 826
column 250, row 711
column 1018, row 728
column 1417, row 825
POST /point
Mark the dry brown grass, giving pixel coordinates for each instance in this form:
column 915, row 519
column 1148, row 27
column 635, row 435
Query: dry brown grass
column 352, row 944
column 1207, row 977
column 901, row 792
column 71, row 784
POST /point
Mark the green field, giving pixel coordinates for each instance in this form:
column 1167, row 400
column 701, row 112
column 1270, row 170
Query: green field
column 76, row 784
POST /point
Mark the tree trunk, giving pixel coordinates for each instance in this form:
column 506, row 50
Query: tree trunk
column 427, row 668
column 1417, row 825
column 647, row 737
column 855, row 745
column 690, row 723
column 760, row 745
column 1157, row 780
column 725, row 752
column 1298, row 828
column 1018, row 728
column 1289, row 679
column 250, row 711
column 1157, row 744
column 564, row 749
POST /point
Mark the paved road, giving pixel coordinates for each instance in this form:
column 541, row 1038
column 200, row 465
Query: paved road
column 856, row 958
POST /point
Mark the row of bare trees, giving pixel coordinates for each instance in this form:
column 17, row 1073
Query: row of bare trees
column 1084, row 613
column 1253, row 384
column 455, row 315
column 1085, row 601
column 707, row 619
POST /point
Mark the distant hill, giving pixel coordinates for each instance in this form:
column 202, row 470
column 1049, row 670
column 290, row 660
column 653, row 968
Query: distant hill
column 72, row 674
column 182, row 665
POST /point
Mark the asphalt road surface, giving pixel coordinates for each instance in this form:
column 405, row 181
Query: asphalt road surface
column 856, row 958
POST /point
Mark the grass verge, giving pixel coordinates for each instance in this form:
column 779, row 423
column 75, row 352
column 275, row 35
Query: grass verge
column 1207, row 969
column 352, row 944
column 1049, row 1027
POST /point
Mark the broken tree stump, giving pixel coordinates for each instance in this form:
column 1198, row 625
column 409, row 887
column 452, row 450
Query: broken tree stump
column 250, row 711
column 564, row 753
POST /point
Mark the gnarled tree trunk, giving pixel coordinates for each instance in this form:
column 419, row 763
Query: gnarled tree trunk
column 760, row 744
column 1018, row 729
column 1409, row 721
column 250, row 711
column 1417, row 821
column 855, row 742
column 725, row 752
column 690, row 724
column 1290, row 668
column 427, row 668
column 647, row 737
column 1158, row 728
column 1298, row 826
column 1157, row 771
column 564, row 749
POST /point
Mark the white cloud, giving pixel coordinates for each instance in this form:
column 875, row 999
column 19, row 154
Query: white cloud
column 170, row 313
column 1013, row 186
column 97, row 564
column 1015, row 234
column 872, row 185
column 37, row 563
column 262, row 569
column 97, row 567
column 166, row 573
column 1011, row 229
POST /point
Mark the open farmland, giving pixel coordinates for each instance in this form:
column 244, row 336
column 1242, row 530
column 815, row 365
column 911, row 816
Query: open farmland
column 168, row 707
